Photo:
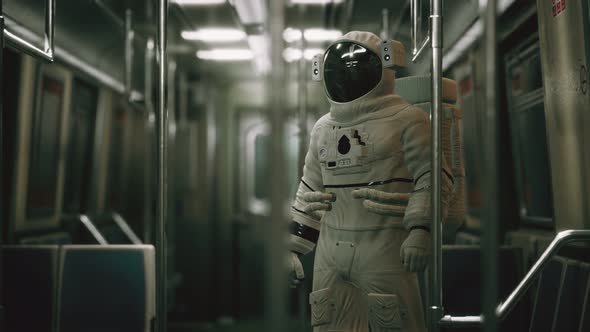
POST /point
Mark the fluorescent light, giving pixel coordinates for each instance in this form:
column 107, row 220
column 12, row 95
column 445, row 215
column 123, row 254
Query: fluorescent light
column 502, row 5
column 226, row 54
column 214, row 35
column 291, row 54
column 250, row 11
column 291, row 35
column 314, row 2
column 199, row 2
column 319, row 35
column 313, row 35
column 260, row 48
column 463, row 44
column 473, row 33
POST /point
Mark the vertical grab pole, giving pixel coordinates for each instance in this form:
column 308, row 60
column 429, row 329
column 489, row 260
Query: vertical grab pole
column 162, row 166
column 489, row 246
column 436, row 309
column 148, row 195
column 276, row 274
column 129, row 36
column 384, row 24
column 302, row 115
column 49, row 28
column 415, row 25
column 1, row 147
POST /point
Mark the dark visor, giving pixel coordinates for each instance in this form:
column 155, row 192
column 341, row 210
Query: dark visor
column 350, row 71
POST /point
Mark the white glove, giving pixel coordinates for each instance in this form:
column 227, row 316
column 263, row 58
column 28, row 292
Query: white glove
column 416, row 250
column 296, row 274
column 318, row 203
column 381, row 202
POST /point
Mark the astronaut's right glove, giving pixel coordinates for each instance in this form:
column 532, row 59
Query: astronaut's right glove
column 318, row 203
column 416, row 250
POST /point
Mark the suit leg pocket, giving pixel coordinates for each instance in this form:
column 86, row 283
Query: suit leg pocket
column 384, row 313
column 322, row 307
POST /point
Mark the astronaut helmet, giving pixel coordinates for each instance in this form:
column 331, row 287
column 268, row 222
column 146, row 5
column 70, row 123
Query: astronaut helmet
column 351, row 70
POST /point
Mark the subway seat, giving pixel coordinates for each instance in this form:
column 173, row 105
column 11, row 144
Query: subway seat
column 82, row 288
column 29, row 287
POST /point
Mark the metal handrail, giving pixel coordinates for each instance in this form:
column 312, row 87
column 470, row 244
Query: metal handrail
column 415, row 11
column 90, row 227
column 124, row 227
column 22, row 45
column 161, row 165
column 504, row 308
column 436, row 43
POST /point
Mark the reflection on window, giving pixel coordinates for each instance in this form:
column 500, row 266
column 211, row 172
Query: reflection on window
column 116, row 160
column 535, row 177
column 80, row 147
column 471, row 145
column 526, row 77
column 261, row 148
column 45, row 149
column 258, row 166
column 529, row 137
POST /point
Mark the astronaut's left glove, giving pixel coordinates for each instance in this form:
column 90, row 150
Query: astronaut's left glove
column 381, row 202
column 416, row 250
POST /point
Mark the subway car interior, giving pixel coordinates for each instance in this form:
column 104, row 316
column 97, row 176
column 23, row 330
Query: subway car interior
column 294, row 165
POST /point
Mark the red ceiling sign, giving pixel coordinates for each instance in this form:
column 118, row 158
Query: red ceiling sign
column 558, row 6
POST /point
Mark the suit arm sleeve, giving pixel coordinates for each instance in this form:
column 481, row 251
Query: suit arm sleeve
column 305, row 226
column 416, row 148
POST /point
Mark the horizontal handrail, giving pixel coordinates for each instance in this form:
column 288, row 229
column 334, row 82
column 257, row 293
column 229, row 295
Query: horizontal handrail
column 503, row 309
column 421, row 49
column 415, row 12
column 124, row 226
column 22, row 45
column 84, row 219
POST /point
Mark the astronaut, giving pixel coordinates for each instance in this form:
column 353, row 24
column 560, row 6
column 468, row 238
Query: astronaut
column 364, row 198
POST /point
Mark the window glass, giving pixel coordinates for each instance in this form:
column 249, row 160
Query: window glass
column 45, row 149
column 526, row 77
column 535, row 179
column 80, row 147
column 529, row 137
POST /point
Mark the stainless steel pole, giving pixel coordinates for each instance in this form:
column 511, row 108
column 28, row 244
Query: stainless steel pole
column 415, row 14
column 2, row 194
column 436, row 309
column 148, row 171
column 22, row 45
column 303, row 144
column 276, row 275
column 162, row 166
column 129, row 37
column 302, row 75
column 384, row 24
column 489, row 248
column 49, row 27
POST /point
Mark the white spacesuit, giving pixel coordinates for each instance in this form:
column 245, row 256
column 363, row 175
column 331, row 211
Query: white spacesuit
column 364, row 198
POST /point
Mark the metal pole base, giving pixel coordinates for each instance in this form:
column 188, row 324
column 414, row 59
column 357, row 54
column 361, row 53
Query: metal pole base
column 434, row 315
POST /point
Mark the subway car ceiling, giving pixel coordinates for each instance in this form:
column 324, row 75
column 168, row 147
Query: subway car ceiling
column 95, row 35
column 80, row 190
